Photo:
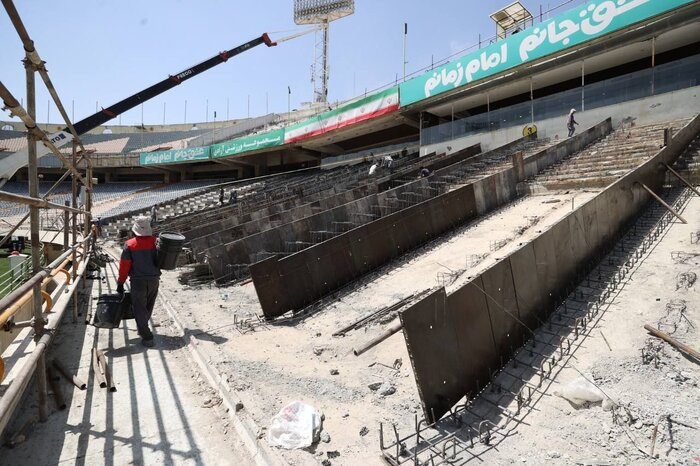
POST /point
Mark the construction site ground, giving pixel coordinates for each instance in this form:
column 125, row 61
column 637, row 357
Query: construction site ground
column 165, row 411
column 268, row 365
column 655, row 386
column 162, row 412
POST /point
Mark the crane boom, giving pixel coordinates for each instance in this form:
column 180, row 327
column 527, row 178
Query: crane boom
column 10, row 165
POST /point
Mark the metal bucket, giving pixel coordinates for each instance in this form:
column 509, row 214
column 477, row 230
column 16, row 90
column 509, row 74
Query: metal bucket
column 169, row 247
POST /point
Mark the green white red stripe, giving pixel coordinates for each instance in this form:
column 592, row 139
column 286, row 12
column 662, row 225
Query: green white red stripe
column 364, row 109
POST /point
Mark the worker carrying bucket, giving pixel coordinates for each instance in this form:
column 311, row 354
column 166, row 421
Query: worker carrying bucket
column 139, row 263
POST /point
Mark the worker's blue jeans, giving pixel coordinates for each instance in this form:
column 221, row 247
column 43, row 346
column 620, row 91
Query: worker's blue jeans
column 143, row 299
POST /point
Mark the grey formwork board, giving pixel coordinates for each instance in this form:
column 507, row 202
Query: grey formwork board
column 430, row 337
column 527, row 286
column 540, row 272
column 503, row 307
column 369, row 246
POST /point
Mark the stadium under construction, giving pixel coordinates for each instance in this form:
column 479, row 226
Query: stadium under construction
column 442, row 271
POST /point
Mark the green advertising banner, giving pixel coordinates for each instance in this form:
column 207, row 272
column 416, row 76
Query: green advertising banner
column 190, row 154
column 574, row 27
column 248, row 143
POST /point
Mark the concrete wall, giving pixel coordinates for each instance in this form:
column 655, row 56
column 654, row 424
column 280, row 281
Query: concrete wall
column 470, row 336
column 297, row 280
column 659, row 108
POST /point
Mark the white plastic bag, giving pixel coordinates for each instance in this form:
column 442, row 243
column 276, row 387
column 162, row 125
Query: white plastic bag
column 580, row 391
column 295, row 426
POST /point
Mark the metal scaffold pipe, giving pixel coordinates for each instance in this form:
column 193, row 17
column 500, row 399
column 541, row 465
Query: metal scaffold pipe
column 26, row 216
column 17, row 110
column 33, row 56
column 40, row 372
column 392, row 329
column 13, row 395
column 38, row 202
column 12, row 298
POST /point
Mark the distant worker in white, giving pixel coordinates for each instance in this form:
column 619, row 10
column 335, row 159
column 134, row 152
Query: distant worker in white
column 373, row 169
column 571, row 122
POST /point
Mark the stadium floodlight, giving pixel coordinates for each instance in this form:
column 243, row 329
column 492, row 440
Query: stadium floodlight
column 321, row 12
column 511, row 19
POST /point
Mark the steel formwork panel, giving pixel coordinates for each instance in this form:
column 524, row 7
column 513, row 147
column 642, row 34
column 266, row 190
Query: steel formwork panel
column 266, row 282
column 216, row 261
column 547, row 271
column 427, row 324
column 530, row 295
column 488, row 192
column 589, row 220
column 506, row 182
column 295, row 278
column 566, row 268
column 604, row 219
column 539, row 272
column 476, row 345
column 503, row 307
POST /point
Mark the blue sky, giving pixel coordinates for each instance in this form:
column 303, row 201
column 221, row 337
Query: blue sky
column 102, row 51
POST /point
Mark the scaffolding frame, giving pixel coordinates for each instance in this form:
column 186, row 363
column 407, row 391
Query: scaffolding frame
column 36, row 364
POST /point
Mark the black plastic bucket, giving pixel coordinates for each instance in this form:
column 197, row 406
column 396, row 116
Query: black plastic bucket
column 169, row 247
column 110, row 309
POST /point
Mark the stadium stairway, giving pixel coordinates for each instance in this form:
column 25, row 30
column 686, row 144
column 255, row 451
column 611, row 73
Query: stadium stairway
column 229, row 261
column 607, row 160
column 688, row 164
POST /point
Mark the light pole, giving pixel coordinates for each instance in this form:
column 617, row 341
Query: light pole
column 289, row 100
column 405, row 34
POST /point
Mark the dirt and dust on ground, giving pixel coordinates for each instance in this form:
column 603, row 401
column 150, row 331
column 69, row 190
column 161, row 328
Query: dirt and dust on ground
column 652, row 389
column 162, row 410
column 269, row 365
column 652, row 386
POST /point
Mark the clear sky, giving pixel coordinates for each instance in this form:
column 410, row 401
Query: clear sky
column 102, row 51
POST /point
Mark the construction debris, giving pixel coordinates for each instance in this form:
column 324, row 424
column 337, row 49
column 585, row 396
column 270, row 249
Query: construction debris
column 685, row 349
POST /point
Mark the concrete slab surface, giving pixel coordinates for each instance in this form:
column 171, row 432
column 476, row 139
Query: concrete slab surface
column 162, row 412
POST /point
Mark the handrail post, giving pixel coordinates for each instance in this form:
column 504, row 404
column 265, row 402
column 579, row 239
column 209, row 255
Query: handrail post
column 40, row 371
column 66, row 227
column 74, row 225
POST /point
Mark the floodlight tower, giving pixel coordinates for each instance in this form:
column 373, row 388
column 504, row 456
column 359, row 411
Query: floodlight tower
column 321, row 12
column 511, row 20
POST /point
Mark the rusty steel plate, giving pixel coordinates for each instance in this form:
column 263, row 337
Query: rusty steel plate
column 531, row 298
column 268, row 286
column 503, row 307
column 431, row 340
column 477, row 348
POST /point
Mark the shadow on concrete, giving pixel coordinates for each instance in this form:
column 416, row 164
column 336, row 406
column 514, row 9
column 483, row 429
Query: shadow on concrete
column 144, row 421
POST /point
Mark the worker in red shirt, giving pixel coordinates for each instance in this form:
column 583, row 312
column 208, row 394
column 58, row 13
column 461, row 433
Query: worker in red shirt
column 138, row 262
